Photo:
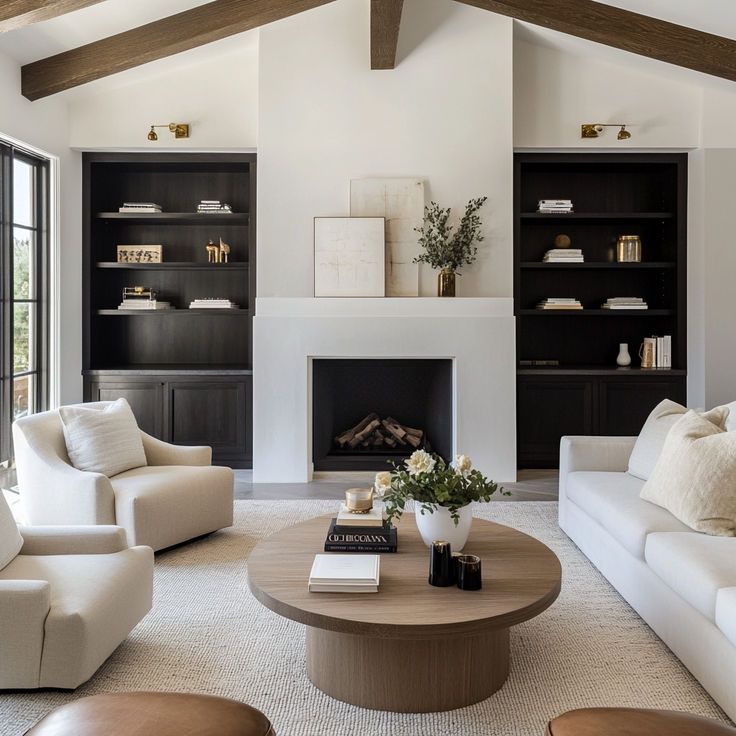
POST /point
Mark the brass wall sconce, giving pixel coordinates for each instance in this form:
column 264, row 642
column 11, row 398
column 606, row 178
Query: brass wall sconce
column 593, row 130
column 180, row 130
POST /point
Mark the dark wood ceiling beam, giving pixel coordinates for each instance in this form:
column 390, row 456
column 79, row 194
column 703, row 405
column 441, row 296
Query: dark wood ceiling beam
column 18, row 13
column 181, row 32
column 385, row 24
column 623, row 29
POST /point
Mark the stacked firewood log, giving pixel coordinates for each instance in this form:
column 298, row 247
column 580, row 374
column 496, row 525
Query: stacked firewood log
column 374, row 432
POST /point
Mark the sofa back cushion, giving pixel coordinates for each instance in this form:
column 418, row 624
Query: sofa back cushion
column 103, row 438
column 10, row 538
column 651, row 439
column 695, row 476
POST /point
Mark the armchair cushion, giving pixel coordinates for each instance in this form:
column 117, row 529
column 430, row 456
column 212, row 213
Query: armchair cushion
column 10, row 538
column 102, row 439
column 73, row 540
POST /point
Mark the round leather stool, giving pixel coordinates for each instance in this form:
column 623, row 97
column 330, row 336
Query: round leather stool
column 153, row 714
column 634, row 722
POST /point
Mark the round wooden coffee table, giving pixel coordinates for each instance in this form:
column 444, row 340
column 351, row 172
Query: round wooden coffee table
column 410, row 647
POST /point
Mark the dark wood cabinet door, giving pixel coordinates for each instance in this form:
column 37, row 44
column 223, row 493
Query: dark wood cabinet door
column 625, row 404
column 214, row 413
column 548, row 409
column 145, row 399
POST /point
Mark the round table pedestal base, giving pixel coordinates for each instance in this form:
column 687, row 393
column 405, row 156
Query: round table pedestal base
column 408, row 675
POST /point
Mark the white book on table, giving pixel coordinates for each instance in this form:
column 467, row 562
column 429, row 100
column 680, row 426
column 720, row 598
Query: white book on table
column 345, row 573
column 374, row 517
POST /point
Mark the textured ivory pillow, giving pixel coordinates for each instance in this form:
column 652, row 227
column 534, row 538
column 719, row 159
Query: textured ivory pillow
column 103, row 440
column 651, row 439
column 695, row 476
column 10, row 538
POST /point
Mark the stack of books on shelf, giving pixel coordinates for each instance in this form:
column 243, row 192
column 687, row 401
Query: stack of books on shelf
column 555, row 206
column 140, row 207
column 624, row 302
column 141, row 298
column 345, row 574
column 360, row 533
column 559, row 303
column 212, row 304
column 214, row 206
column 564, row 255
column 662, row 347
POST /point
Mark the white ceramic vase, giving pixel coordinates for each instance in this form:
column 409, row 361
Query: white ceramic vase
column 439, row 526
column 623, row 358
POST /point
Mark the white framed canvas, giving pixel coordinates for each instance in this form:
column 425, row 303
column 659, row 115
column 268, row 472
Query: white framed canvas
column 349, row 256
column 401, row 202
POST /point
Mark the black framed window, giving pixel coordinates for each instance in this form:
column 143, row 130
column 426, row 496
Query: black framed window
column 24, row 258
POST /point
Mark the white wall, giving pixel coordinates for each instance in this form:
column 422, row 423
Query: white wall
column 555, row 91
column 443, row 114
column 720, row 277
column 214, row 88
column 44, row 125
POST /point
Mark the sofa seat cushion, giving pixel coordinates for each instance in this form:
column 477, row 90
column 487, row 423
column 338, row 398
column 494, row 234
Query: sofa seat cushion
column 694, row 565
column 726, row 613
column 163, row 505
column 612, row 499
column 96, row 600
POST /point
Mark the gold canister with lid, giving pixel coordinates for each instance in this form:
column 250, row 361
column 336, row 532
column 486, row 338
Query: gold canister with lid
column 628, row 249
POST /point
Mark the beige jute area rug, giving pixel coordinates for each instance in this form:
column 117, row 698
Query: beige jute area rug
column 207, row 634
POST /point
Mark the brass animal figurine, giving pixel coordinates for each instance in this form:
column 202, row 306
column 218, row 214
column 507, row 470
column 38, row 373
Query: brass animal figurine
column 224, row 252
column 213, row 252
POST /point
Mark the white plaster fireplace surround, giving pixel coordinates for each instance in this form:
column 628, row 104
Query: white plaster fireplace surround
column 476, row 333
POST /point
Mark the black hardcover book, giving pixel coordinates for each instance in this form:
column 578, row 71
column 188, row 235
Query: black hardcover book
column 361, row 539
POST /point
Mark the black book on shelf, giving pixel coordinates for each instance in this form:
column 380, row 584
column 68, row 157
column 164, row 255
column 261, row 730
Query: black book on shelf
column 361, row 539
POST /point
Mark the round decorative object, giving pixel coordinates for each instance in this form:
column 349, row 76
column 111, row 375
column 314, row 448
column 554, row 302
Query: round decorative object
column 439, row 525
column 562, row 241
column 623, row 359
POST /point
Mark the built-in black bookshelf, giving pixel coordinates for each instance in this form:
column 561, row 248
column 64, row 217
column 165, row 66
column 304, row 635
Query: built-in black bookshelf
column 585, row 392
column 186, row 373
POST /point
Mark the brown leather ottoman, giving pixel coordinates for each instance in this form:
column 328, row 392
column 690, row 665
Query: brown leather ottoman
column 153, row 714
column 634, row 722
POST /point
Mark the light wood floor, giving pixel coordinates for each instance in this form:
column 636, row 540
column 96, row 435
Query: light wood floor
column 531, row 485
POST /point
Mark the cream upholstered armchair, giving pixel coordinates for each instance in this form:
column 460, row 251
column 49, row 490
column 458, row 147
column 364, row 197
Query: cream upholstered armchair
column 177, row 496
column 68, row 597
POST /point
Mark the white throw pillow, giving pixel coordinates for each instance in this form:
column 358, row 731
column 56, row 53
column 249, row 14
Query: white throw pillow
column 10, row 538
column 653, row 434
column 695, row 476
column 103, row 439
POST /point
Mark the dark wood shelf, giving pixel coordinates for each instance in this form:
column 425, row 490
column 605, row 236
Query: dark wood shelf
column 177, row 218
column 171, row 312
column 592, row 265
column 174, row 266
column 634, row 372
column 596, row 312
column 597, row 216
column 171, row 370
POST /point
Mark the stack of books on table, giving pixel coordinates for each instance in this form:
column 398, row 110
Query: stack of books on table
column 360, row 533
column 555, row 206
column 214, row 206
column 624, row 302
column 140, row 207
column 345, row 574
column 564, row 255
column 212, row 304
column 559, row 303
column 662, row 347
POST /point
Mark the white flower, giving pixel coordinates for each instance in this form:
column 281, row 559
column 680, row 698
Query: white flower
column 382, row 484
column 420, row 462
column 462, row 464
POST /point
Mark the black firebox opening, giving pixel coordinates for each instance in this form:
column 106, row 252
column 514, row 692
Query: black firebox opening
column 415, row 393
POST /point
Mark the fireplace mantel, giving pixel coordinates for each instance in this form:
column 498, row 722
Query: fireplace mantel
column 476, row 333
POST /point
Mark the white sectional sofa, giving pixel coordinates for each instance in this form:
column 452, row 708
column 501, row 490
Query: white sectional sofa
column 681, row 582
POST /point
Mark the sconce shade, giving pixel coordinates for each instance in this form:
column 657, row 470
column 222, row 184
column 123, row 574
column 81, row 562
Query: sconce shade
column 623, row 134
column 152, row 136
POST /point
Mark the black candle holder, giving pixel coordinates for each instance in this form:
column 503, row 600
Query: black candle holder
column 441, row 565
column 468, row 572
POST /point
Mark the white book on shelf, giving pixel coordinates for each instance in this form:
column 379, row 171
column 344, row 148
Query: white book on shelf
column 668, row 351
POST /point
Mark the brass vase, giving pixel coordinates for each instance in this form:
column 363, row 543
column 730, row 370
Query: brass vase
column 446, row 282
